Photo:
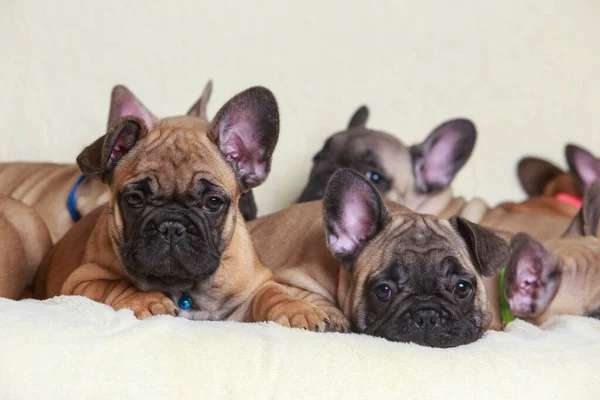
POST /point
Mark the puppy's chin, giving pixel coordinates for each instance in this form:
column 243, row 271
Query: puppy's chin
column 167, row 273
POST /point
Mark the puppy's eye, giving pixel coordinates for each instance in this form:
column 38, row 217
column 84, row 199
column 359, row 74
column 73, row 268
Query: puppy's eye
column 374, row 177
column 213, row 204
column 462, row 290
column 383, row 292
column 134, row 199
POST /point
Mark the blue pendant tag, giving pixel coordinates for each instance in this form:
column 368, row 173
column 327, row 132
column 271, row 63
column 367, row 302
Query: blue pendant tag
column 185, row 301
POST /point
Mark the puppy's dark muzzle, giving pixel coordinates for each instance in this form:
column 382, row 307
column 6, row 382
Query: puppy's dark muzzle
column 426, row 318
column 427, row 314
column 172, row 247
column 170, row 228
column 171, row 231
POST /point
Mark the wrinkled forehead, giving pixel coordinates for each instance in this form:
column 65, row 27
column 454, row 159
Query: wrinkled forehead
column 416, row 242
column 195, row 123
column 173, row 159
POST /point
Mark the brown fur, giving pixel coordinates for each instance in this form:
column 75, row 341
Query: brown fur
column 46, row 186
column 24, row 239
column 541, row 205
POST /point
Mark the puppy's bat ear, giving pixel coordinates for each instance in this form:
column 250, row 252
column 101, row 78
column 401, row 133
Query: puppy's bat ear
column 199, row 108
column 123, row 103
column 534, row 174
column 531, row 278
column 438, row 159
column 359, row 119
column 353, row 213
column 585, row 223
column 582, row 165
column 99, row 159
column 489, row 250
column 246, row 129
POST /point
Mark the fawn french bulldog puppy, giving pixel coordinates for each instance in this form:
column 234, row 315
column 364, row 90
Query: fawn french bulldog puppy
column 172, row 234
column 560, row 276
column 61, row 195
column 24, row 239
column 394, row 273
column 553, row 191
column 401, row 173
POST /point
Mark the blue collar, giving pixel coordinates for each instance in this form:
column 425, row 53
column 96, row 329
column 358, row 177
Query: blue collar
column 72, row 200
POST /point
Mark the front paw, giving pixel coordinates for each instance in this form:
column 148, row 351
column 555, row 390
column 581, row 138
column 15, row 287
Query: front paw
column 148, row 304
column 303, row 314
column 337, row 321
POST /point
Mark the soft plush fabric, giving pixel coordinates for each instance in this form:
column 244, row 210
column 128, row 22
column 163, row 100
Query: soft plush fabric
column 73, row 348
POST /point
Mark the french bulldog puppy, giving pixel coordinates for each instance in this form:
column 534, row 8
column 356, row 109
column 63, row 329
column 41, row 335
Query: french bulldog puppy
column 47, row 186
column 394, row 273
column 24, row 239
column 171, row 239
column 552, row 190
column 560, row 276
column 401, row 173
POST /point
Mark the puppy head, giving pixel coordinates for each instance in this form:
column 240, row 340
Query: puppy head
column 407, row 175
column 125, row 103
column 175, row 189
column 559, row 276
column 415, row 278
column 541, row 177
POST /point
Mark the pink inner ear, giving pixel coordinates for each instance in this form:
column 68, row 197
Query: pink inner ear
column 529, row 273
column 439, row 163
column 120, row 148
column 240, row 145
column 526, row 286
column 535, row 280
column 588, row 168
column 354, row 225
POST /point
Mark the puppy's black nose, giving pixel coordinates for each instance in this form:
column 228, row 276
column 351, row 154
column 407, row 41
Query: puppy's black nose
column 171, row 231
column 426, row 318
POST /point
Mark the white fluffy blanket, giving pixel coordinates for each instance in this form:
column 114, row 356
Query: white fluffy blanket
column 73, row 348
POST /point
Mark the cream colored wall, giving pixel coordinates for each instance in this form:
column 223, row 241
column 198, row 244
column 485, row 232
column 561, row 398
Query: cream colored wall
column 526, row 71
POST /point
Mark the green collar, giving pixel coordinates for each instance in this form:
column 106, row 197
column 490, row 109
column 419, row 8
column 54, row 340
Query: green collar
column 507, row 316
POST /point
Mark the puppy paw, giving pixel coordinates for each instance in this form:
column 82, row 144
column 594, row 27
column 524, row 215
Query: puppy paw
column 337, row 321
column 148, row 304
column 302, row 314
